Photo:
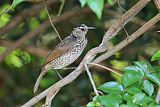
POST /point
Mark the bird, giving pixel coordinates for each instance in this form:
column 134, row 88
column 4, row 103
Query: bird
column 66, row 52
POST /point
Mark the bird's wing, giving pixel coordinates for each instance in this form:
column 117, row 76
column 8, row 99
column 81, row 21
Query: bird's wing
column 62, row 48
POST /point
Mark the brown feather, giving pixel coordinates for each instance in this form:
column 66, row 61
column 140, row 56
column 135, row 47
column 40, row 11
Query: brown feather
column 60, row 49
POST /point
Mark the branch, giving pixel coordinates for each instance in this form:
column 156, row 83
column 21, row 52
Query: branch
column 134, row 20
column 113, row 30
column 51, row 21
column 106, row 68
column 128, row 40
column 44, row 26
column 25, row 14
column 157, row 3
column 29, row 48
column 117, row 26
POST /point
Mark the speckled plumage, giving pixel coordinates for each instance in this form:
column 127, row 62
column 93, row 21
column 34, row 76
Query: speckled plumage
column 66, row 52
column 67, row 58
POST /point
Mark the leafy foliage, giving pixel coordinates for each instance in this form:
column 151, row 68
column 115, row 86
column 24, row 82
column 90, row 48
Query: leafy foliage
column 156, row 56
column 136, row 89
column 16, row 58
column 16, row 2
column 95, row 5
column 19, row 85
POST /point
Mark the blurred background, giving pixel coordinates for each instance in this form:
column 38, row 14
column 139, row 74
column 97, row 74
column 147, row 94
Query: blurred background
column 20, row 68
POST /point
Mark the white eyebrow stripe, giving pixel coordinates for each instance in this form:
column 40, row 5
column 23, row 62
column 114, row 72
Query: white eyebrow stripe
column 81, row 27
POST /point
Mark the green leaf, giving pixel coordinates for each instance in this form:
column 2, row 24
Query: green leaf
column 94, row 103
column 13, row 60
column 132, row 75
column 131, row 104
column 153, row 104
column 123, row 105
column 111, row 87
column 110, row 100
column 110, row 2
column 138, row 98
column 27, row 57
column 96, row 6
column 145, row 67
column 133, row 90
column 4, row 19
column 155, row 77
column 33, row 23
column 141, row 99
column 157, row 68
column 16, row 2
column 147, row 100
column 91, row 104
column 156, row 56
column 133, row 69
column 83, row 2
column 148, row 87
column 127, row 97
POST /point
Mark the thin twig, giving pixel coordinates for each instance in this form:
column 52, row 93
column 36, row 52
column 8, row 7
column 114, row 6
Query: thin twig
column 24, row 15
column 43, row 26
column 114, row 29
column 128, row 40
column 61, row 7
column 119, row 4
column 104, row 67
column 6, row 11
column 51, row 21
column 91, row 79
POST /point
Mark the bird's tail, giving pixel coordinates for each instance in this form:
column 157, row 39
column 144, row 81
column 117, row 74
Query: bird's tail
column 38, row 81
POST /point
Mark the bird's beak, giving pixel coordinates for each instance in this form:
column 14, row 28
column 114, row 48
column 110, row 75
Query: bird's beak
column 91, row 28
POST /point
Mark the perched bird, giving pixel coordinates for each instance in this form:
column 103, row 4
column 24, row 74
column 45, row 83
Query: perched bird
column 66, row 52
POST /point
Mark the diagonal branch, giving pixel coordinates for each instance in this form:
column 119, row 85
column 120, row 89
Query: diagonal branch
column 43, row 27
column 128, row 40
column 73, row 75
column 25, row 14
column 157, row 3
column 113, row 30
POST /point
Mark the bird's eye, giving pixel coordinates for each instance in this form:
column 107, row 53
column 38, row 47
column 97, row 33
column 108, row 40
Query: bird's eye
column 82, row 29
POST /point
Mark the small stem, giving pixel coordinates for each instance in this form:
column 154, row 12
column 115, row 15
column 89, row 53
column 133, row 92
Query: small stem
column 51, row 21
column 101, row 66
column 6, row 11
column 91, row 79
column 119, row 4
column 61, row 7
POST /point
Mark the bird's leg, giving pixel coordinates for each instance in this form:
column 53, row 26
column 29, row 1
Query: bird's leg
column 69, row 68
column 59, row 75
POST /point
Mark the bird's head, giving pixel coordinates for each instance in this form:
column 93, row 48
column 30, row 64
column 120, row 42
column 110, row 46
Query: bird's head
column 81, row 30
